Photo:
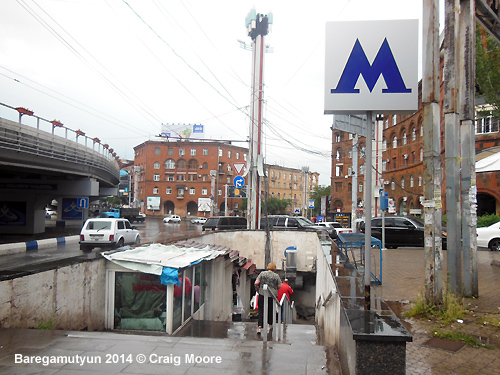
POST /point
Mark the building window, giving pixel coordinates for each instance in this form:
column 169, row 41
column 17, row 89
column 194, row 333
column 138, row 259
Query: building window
column 181, row 177
column 421, row 154
column 182, row 152
column 394, row 120
column 421, row 131
column 337, row 137
column 204, row 191
column 229, row 154
column 180, row 192
column 387, row 123
column 360, row 189
column 192, row 177
column 181, row 164
column 349, row 153
column 205, row 165
column 395, row 142
column 413, row 157
column 419, row 180
column 156, row 165
column 220, row 152
column 170, row 164
column 384, row 145
column 279, row 184
column 404, row 138
column 169, row 190
column 405, row 159
column 411, row 181
column 170, row 151
column 362, row 169
column 245, row 157
column 236, row 205
column 394, row 164
column 156, row 177
column 272, row 183
column 228, row 179
column 393, row 185
column 237, row 156
column 205, row 151
column 219, row 192
column 156, row 190
column 413, row 135
column 192, row 191
column 193, row 152
column 402, row 182
column 349, row 187
column 157, row 151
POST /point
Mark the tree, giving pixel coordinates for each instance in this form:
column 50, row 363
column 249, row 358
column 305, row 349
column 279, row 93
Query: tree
column 488, row 69
column 275, row 206
column 318, row 192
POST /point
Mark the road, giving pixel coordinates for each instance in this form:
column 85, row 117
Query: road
column 152, row 231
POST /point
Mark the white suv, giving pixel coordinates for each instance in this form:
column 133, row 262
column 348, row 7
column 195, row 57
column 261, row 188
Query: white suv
column 107, row 232
column 172, row 219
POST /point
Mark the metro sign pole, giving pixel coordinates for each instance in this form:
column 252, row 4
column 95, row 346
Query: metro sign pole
column 258, row 27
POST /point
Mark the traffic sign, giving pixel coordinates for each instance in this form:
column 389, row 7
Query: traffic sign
column 238, row 181
column 239, row 168
column 82, row 202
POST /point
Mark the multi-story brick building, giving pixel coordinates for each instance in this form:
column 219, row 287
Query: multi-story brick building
column 183, row 175
column 288, row 183
column 401, row 170
column 177, row 173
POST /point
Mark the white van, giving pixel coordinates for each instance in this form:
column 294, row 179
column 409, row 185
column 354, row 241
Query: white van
column 107, row 232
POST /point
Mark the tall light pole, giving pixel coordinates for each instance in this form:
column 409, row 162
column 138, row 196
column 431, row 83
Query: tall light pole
column 257, row 26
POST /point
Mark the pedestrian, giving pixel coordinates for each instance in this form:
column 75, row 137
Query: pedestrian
column 285, row 289
column 273, row 281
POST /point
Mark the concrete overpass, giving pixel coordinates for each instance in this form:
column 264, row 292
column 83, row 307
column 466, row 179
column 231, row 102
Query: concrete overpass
column 45, row 161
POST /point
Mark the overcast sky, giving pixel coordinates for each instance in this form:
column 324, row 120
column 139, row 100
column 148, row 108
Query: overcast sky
column 118, row 69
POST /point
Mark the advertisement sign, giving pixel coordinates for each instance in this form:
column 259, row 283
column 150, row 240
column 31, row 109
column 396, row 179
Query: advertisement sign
column 70, row 209
column 153, row 203
column 12, row 214
column 371, row 66
column 204, row 204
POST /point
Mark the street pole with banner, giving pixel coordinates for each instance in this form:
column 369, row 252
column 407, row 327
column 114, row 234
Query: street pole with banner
column 371, row 68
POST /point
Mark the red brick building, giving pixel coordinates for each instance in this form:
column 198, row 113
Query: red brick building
column 401, row 170
column 178, row 173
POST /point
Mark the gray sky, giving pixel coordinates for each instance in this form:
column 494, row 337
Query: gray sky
column 118, row 69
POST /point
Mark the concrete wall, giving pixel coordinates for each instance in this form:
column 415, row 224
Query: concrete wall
column 70, row 297
column 251, row 244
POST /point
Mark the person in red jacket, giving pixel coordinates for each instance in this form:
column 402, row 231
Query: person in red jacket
column 285, row 289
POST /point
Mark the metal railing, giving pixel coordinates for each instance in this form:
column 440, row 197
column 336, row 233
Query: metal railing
column 285, row 306
column 72, row 147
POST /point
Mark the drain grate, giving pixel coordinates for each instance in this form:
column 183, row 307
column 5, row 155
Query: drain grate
column 451, row 346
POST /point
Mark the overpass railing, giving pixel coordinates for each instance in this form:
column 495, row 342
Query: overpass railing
column 53, row 140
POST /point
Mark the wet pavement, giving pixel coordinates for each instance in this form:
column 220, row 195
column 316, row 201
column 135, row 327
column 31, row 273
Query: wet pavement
column 236, row 348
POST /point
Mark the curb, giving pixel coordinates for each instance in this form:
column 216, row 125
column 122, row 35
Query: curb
column 23, row 247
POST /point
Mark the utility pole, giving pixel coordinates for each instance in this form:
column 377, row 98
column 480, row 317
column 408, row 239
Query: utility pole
column 258, row 27
column 467, row 74
column 452, row 152
column 432, row 153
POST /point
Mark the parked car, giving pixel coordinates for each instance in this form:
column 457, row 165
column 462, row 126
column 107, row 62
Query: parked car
column 141, row 217
column 335, row 225
column 107, row 232
column 199, row 220
column 489, row 237
column 217, row 223
column 50, row 214
column 401, row 231
column 172, row 219
column 295, row 222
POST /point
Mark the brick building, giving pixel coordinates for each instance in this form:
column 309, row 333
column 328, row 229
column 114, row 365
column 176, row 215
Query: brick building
column 178, row 173
column 400, row 172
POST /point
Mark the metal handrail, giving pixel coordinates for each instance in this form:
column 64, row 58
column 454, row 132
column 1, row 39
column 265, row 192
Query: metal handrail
column 276, row 305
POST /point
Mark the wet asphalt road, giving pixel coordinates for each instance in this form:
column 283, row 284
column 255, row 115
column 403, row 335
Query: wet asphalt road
column 152, row 231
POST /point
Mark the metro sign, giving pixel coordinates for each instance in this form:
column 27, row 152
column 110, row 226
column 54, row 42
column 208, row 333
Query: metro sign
column 371, row 66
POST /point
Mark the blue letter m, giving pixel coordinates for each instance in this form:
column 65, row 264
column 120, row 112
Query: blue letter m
column 384, row 64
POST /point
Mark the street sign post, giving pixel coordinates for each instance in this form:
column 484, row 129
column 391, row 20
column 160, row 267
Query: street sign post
column 82, row 202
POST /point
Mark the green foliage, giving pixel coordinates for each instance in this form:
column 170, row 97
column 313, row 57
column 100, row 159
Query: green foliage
column 459, row 336
column 47, row 325
column 451, row 309
column 244, row 204
column 487, row 220
column 488, row 69
column 275, row 206
column 318, row 192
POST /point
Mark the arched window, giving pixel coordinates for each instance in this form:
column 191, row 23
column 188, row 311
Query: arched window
column 402, row 182
column 404, row 138
column 181, row 164
column 205, row 165
column 192, row 191
column 156, row 165
column 419, row 180
column 413, row 135
column 193, row 164
column 395, row 142
column 384, row 145
column 393, row 184
column 170, row 164
column 421, row 154
column 411, row 181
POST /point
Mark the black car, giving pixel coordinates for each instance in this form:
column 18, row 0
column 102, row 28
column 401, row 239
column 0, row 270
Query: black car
column 217, row 223
column 294, row 222
column 401, row 231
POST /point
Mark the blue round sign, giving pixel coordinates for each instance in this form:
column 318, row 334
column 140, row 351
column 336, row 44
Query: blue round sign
column 239, row 181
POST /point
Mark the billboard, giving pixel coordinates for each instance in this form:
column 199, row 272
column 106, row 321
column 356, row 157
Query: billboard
column 204, row 204
column 371, row 66
column 182, row 130
column 153, row 203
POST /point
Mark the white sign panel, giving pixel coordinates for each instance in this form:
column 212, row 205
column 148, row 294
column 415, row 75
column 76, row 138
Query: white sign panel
column 371, row 66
